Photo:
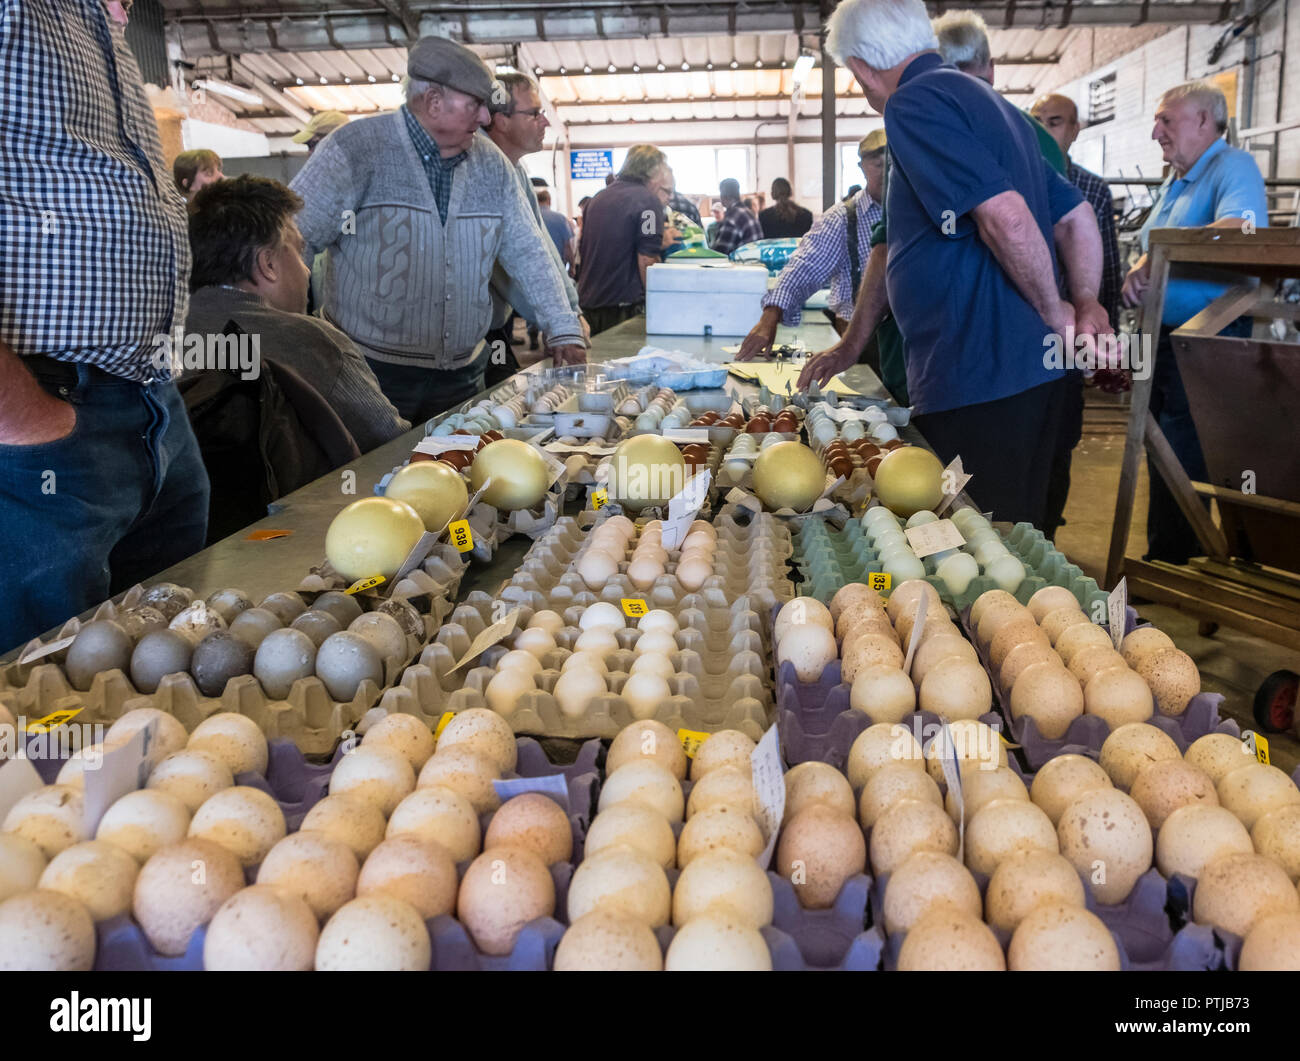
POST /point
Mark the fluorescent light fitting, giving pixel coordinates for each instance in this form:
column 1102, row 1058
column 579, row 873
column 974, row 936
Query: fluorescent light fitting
column 586, row 69
column 235, row 92
column 612, row 68
column 506, row 68
column 803, row 67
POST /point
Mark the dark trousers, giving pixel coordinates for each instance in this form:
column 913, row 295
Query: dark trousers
column 420, row 393
column 1001, row 445
column 1058, row 486
column 501, row 360
column 122, row 497
column 602, row 318
column 1169, row 536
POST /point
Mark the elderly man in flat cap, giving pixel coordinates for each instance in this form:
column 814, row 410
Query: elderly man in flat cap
column 412, row 210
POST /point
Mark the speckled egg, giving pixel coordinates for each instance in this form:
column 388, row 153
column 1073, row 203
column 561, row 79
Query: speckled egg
column 1050, row 599
column 21, row 864
column 949, row 940
column 244, row 820
column 1129, row 748
column 1273, row 945
column 1050, row 695
column 624, row 881
column 45, row 931
column 925, row 882
column 1256, row 789
column 636, row 826
column 416, row 871
column 97, row 874
column 646, row 783
column 533, row 821
column 1004, row 827
column 1062, row 780
column 1219, row 754
column 102, row 645
column 1277, row 836
column 718, row 941
column 50, row 817
column 1162, row 787
column 1057, row 937
column 723, row 880
column 727, row 747
column 1107, row 827
column 1142, row 642
column 647, row 739
column 484, row 732
column 1027, row 879
column 1195, row 835
column 878, row 745
column 321, row 871
column 405, row 615
column 820, row 848
column 168, row 734
column 502, row 890
column 815, row 782
column 403, row 733
column 217, row 658
column 890, row 784
column 144, row 822
column 1235, row 891
column 157, row 655
column 374, row 933
column 1173, row 678
column 191, row 776
column 233, row 738
column 172, row 899
column 379, row 775
column 442, row 816
column 729, row 785
column 979, row 788
column 602, row 941
column 464, row 770
column 908, row 826
column 383, row 632
column 261, row 929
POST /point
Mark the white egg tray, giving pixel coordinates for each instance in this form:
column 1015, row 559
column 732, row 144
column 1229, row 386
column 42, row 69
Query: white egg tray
column 720, row 680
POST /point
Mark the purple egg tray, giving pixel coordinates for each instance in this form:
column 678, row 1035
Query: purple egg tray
column 1087, row 733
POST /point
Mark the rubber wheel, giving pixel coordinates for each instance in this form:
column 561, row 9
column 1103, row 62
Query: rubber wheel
column 1275, row 701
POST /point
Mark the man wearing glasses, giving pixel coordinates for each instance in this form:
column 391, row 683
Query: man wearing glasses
column 518, row 128
column 835, row 249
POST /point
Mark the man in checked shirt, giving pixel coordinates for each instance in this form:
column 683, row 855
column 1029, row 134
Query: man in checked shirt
column 738, row 225
column 826, row 253
column 101, row 481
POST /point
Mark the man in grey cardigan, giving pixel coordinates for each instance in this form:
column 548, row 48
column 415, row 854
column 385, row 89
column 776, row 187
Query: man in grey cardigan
column 412, row 209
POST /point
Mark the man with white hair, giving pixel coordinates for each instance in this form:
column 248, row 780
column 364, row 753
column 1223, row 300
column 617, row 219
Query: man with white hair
column 413, row 209
column 974, row 213
column 1209, row 184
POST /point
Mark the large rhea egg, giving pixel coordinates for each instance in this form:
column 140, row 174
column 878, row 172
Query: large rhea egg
column 646, row 471
column 434, row 489
column 789, row 475
column 517, row 470
column 909, row 480
column 372, row 537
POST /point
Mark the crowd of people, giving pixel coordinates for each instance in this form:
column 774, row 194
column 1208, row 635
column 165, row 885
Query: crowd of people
column 381, row 283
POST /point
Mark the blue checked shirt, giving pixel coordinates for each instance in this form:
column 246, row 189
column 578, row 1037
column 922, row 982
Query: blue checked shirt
column 439, row 170
column 823, row 255
column 737, row 227
column 94, row 249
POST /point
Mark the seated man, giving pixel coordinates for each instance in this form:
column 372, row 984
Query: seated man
column 249, row 269
column 738, row 225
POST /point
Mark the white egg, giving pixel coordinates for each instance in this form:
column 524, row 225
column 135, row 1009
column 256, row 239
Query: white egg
column 659, row 642
column 693, row 571
column 537, row 641
column 596, row 567
column 601, row 641
column 658, row 620
column 884, row 432
column 644, row 571
column 919, row 519
column 653, row 554
column 645, row 693
column 986, row 552
column 592, row 660
column 653, row 663
column 879, row 515
column 602, row 616
column 518, row 659
column 505, row 689
column 957, row 571
column 904, row 568
column 700, row 538
column 551, row 622
column 576, row 689
column 1007, row 571
column 810, row 647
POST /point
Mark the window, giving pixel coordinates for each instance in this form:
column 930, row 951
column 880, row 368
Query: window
column 850, row 172
column 1101, row 99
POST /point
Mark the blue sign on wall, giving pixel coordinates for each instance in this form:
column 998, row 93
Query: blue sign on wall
column 591, row 164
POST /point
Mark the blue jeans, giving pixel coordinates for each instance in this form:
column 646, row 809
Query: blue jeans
column 419, row 393
column 122, row 497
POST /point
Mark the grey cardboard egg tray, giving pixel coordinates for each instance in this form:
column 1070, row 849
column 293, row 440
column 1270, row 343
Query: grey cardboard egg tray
column 720, row 680
column 307, row 716
column 297, row 786
column 1147, row 932
column 1087, row 733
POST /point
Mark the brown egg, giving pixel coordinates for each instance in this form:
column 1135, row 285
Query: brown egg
column 895, row 443
column 1173, row 678
column 873, row 463
column 457, row 458
column 1160, row 788
column 759, row 425
column 821, row 847
column 842, row 466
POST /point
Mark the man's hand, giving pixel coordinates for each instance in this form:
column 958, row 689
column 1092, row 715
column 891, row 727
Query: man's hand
column 571, row 354
column 586, row 327
column 1060, row 319
column 1137, row 282
column 1090, row 318
column 758, row 343
column 43, row 418
column 823, row 367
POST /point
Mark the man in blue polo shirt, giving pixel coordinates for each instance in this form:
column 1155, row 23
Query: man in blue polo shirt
column 1209, row 184
column 974, row 216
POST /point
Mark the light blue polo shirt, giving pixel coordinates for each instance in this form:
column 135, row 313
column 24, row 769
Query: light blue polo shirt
column 1224, row 182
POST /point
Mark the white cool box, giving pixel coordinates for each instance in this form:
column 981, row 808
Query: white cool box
column 692, row 298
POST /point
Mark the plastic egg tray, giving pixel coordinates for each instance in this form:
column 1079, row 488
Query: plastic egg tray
column 746, row 566
column 719, row 681
column 1087, row 733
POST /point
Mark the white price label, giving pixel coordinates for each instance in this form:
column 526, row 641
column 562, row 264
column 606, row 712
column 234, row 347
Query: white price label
column 434, row 445
column 918, row 625
column 952, row 775
column 415, row 557
column 121, row 770
column 18, row 778
column 496, row 632
column 769, row 790
column 1117, row 611
column 554, row 785
column 683, row 509
column 47, row 650
column 934, row 537
column 687, row 434
column 954, row 480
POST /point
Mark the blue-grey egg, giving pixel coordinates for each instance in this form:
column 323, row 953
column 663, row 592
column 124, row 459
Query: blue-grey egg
column 406, row 615
column 229, row 602
column 159, row 653
column 254, row 624
column 217, row 658
column 343, row 607
column 288, row 606
column 317, row 625
column 99, row 646
column 382, row 631
column 168, row 598
column 282, row 658
column 344, row 661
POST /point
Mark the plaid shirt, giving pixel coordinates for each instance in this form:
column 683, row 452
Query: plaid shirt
column 94, row 248
column 1097, row 192
column 823, row 255
column 737, row 227
column 439, row 170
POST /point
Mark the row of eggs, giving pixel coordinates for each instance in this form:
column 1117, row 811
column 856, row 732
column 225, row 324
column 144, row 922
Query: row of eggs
column 822, row 429
column 607, row 549
column 664, row 410
column 984, row 551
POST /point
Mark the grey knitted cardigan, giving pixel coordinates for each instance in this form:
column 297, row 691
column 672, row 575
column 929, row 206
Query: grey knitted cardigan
column 408, row 289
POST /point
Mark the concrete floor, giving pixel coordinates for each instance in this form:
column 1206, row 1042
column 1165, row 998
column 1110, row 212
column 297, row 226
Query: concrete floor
column 1231, row 662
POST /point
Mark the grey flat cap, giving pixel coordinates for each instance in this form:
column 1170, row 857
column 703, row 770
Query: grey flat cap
column 447, row 63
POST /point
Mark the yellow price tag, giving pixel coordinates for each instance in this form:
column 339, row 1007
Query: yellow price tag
column 691, row 740
column 461, row 536
column 1260, row 747
column 880, row 581
column 447, row 716
column 634, row 607
column 599, row 498
column 53, row 720
column 365, row 583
